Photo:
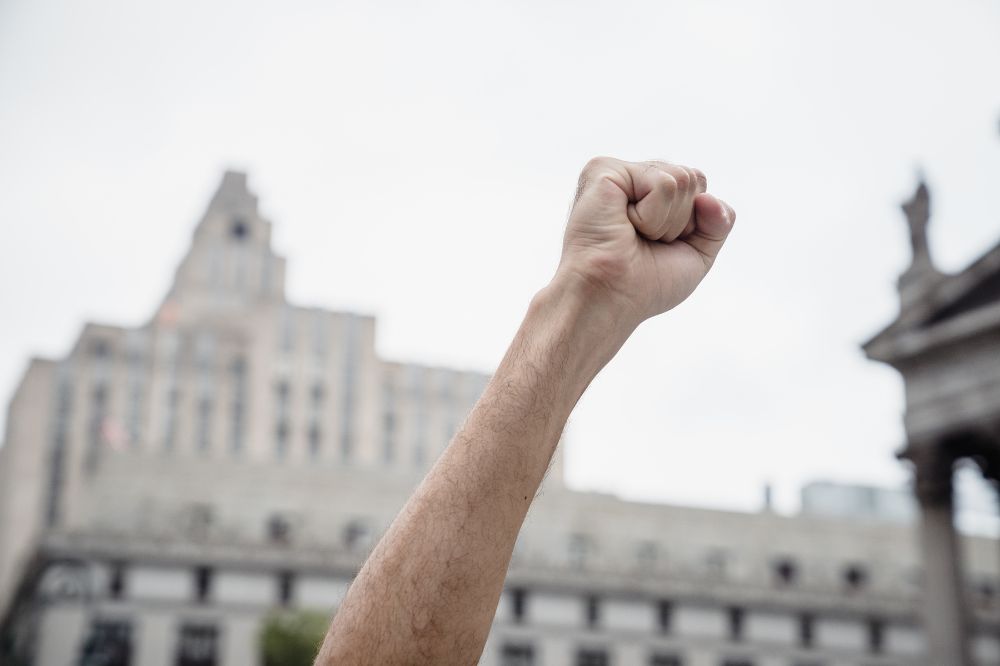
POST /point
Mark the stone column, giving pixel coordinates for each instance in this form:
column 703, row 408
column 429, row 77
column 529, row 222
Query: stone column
column 944, row 613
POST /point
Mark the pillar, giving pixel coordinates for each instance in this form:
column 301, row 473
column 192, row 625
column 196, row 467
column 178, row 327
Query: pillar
column 944, row 613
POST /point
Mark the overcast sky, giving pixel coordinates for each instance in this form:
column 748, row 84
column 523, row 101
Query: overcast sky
column 418, row 160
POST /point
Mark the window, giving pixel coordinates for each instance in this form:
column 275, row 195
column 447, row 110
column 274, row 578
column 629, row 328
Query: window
column 806, row 631
column 116, row 580
column 279, row 530
column 315, row 440
column 716, row 561
column 204, row 423
column 517, row 654
column 664, row 615
column 317, row 393
column 239, row 230
column 100, row 348
column 785, row 571
column 283, row 393
column 592, row 657
column 646, row 555
column 239, row 376
column 321, row 334
column 736, row 616
column 356, row 535
column 287, row 331
column 199, row 521
column 389, row 437
column 170, row 418
column 286, row 585
column 281, row 440
column 985, row 594
column 661, row 659
column 593, row 612
column 737, row 662
column 204, row 351
column 198, row 645
column 855, row 577
column 108, row 644
column 96, row 426
column 518, row 598
column 876, row 635
column 350, row 372
column 136, row 380
column 60, row 438
column 202, row 584
column 580, row 547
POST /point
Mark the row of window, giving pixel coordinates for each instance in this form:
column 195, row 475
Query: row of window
column 204, row 577
column 109, row 643
column 582, row 549
column 524, row 654
column 102, row 430
column 736, row 620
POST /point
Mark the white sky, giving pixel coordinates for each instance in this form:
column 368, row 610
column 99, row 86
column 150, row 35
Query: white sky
column 418, row 159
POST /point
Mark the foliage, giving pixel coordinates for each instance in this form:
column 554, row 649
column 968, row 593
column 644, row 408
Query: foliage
column 292, row 638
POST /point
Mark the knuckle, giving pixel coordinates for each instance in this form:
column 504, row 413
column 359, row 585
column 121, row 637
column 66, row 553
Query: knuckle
column 683, row 179
column 595, row 166
column 667, row 183
column 591, row 172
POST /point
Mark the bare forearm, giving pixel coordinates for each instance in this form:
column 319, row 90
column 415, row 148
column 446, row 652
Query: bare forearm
column 431, row 586
column 640, row 238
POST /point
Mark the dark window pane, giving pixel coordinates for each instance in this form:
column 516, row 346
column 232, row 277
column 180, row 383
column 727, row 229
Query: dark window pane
column 664, row 615
column 202, row 583
column 806, row 630
column 517, row 596
column 736, row 624
column 785, row 571
column 593, row 612
column 592, row 657
column 286, row 583
column 855, row 577
column 198, row 645
column 108, row 644
column 116, row 580
column 517, row 655
column 876, row 632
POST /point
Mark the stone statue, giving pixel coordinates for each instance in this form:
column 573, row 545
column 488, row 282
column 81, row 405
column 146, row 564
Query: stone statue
column 918, row 213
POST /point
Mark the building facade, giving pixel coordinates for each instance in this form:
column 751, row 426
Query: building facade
column 163, row 488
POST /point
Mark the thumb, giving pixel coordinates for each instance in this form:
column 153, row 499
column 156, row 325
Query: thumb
column 713, row 220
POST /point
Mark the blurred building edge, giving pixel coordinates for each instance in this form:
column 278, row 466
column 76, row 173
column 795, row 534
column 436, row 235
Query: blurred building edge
column 946, row 344
column 163, row 488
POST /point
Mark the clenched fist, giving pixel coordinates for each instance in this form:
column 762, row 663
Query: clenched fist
column 643, row 234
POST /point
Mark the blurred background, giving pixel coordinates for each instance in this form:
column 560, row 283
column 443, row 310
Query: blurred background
column 417, row 162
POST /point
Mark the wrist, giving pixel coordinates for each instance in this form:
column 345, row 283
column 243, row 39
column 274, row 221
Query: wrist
column 588, row 324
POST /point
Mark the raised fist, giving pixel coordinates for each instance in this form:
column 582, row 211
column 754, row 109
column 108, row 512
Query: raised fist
column 643, row 234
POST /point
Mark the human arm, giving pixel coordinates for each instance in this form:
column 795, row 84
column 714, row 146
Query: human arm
column 640, row 238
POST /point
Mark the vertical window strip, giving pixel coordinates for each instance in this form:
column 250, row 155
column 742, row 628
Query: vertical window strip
column 57, row 462
column 351, row 346
column 238, row 409
column 136, row 382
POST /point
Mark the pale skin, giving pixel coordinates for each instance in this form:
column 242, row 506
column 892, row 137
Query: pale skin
column 640, row 238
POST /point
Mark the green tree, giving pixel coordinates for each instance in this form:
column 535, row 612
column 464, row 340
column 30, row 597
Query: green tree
column 292, row 638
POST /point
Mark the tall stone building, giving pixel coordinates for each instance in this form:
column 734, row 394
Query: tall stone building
column 164, row 488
